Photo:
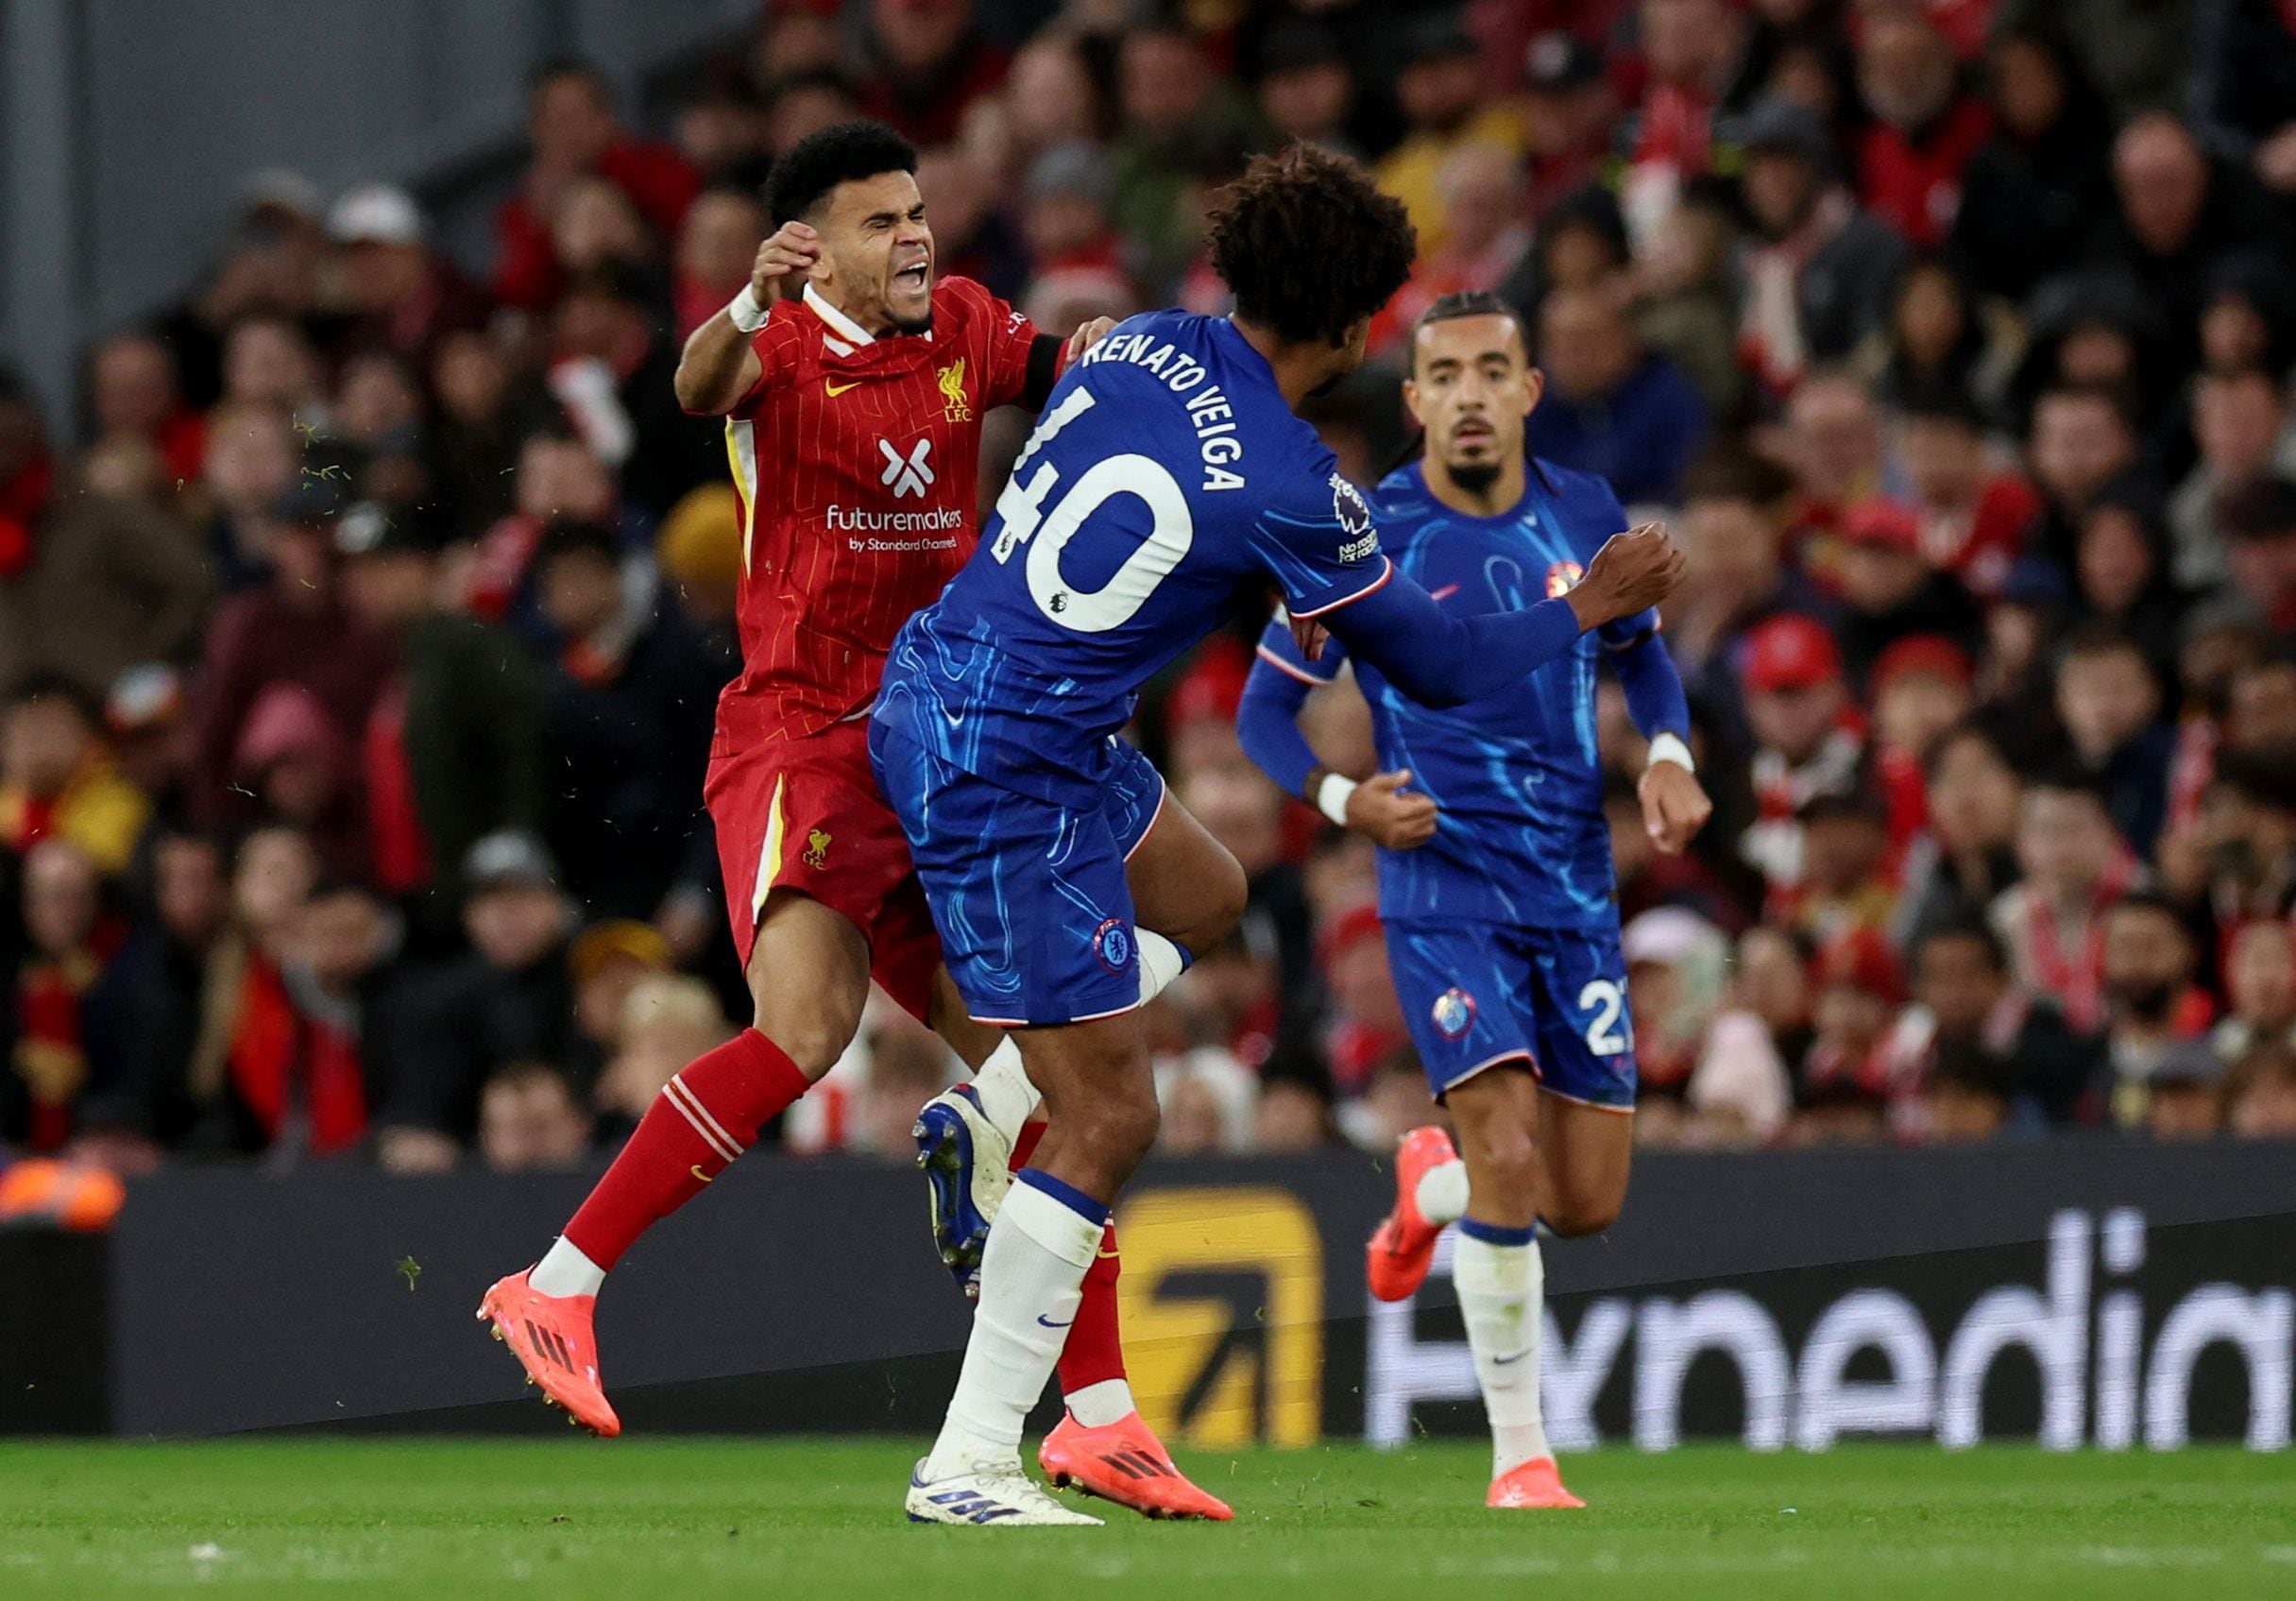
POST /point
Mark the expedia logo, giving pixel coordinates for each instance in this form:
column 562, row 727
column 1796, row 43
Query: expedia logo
column 2113, row 1358
column 1223, row 1322
column 1454, row 1012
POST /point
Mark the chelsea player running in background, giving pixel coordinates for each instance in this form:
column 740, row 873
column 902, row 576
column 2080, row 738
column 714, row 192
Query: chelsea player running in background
column 1495, row 879
column 1168, row 470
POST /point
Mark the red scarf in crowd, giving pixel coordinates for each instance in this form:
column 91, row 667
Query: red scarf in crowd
column 500, row 567
column 51, row 1054
column 2192, row 765
column 403, row 855
column 2071, row 970
column 283, row 1063
column 181, row 441
column 21, row 500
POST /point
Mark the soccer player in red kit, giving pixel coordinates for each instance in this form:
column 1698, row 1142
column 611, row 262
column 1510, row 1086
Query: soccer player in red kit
column 852, row 387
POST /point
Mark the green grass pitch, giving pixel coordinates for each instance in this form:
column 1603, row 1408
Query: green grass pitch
column 665, row 1520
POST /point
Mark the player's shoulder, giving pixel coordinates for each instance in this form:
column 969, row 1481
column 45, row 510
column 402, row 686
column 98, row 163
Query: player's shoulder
column 956, row 292
column 1572, row 490
column 1311, row 494
column 1584, row 503
column 1402, row 508
column 788, row 340
column 786, row 322
column 793, row 332
column 1138, row 339
column 1168, row 320
column 968, row 302
column 1402, row 496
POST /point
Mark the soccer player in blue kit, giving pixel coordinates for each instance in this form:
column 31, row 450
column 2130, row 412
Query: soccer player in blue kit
column 1495, row 880
column 1168, row 470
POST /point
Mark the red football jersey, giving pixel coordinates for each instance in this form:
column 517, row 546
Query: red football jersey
column 857, row 465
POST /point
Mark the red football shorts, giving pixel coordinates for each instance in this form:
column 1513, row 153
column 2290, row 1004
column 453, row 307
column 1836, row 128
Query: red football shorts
column 806, row 815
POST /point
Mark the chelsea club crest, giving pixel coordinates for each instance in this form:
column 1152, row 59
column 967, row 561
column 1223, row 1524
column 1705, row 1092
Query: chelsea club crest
column 1454, row 1013
column 1111, row 942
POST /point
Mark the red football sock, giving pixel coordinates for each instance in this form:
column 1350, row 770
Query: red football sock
column 1024, row 1145
column 705, row 1118
column 1095, row 1351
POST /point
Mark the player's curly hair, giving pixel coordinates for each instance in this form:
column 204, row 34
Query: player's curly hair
column 816, row 165
column 1309, row 246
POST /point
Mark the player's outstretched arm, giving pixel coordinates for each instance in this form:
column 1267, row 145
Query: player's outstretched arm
column 1267, row 725
column 1446, row 661
column 718, row 366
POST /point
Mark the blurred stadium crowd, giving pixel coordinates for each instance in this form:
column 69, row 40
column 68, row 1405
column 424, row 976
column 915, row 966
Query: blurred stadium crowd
column 361, row 638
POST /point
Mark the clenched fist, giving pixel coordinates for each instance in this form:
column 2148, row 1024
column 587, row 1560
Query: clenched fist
column 1631, row 571
column 1379, row 810
column 1674, row 806
column 784, row 261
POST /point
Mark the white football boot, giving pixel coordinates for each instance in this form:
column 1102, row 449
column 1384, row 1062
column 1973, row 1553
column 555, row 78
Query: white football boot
column 968, row 1168
column 989, row 1496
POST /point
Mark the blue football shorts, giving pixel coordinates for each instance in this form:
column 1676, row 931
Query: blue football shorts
column 1478, row 995
column 1029, row 896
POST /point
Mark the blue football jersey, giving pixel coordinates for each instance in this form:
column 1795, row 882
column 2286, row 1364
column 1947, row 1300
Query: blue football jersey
column 1521, row 838
column 1165, row 472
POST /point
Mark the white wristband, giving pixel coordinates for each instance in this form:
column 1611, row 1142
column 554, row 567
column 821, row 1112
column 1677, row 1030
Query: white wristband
column 1669, row 747
column 747, row 314
column 1332, row 797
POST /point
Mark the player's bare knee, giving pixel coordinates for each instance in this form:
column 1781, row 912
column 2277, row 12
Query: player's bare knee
column 1497, row 1140
column 1571, row 1217
column 813, row 1029
column 1504, row 1159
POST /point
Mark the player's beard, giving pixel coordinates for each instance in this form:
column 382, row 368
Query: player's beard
column 1474, row 477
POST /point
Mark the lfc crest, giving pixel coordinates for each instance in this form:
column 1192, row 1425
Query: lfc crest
column 955, row 407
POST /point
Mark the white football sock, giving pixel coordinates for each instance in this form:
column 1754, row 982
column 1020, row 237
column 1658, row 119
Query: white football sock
column 563, row 1270
column 1032, row 1282
column 1501, row 1298
column 1443, row 1193
column 1007, row 1097
column 1160, row 964
column 1096, row 1406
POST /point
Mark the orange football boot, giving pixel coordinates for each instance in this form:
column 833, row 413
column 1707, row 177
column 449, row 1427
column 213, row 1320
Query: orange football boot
column 1537, row 1483
column 1403, row 1245
column 551, row 1337
column 1125, row 1463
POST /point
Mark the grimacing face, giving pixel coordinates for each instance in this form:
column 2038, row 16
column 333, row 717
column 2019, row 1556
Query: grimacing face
column 1472, row 387
column 878, row 252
